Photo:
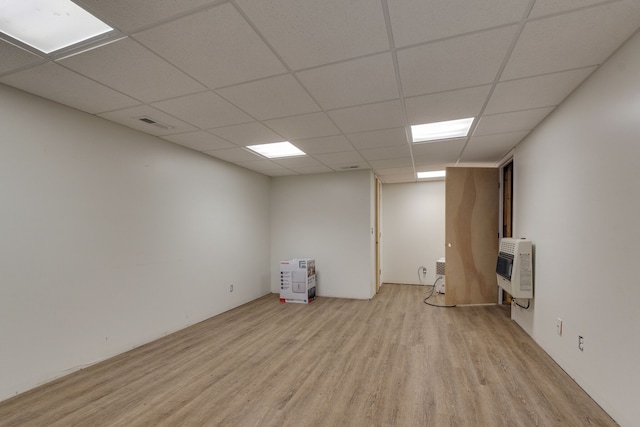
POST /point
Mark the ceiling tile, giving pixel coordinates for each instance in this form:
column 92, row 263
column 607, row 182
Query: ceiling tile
column 260, row 165
column 391, row 163
column 572, row 40
column 438, row 147
column 131, row 117
column 429, row 160
column 386, row 152
column 420, row 21
column 70, row 88
column 307, row 33
column 216, row 46
column 304, row 126
column 128, row 15
column 14, row 57
column 330, row 144
column 336, row 159
column 204, row 110
column 279, row 172
column 130, row 68
column 511, row 122
column 491, row 148
column 382, row 115
column 395, row 171
column 454, row 63
column 398, row 178
column 298, row 162
column 237, row 154
column 271, row 98
column 247, row 134
column 200, row 140
column 360, row 81
column 433, row 153
column 379, row 138
column 351, row 166
column 548, row 7
column 308, row 170
column 455, row 104
column 534, row 92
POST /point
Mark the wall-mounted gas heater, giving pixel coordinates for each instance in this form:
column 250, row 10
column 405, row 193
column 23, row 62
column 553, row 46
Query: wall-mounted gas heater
column 515, row 267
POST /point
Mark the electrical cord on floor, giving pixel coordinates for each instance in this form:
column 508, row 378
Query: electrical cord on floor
column 515, row 301
column 433, row 288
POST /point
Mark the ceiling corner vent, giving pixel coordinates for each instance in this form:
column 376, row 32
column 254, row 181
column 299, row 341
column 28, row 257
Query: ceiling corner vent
column 150, row 121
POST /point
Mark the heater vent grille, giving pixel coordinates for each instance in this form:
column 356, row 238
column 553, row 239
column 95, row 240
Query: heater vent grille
column 150, row 121
column 507, row 247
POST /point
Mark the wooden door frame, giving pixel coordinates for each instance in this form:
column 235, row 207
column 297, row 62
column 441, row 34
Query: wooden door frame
column 377, row 232
column 501, row 226
column 506, row 230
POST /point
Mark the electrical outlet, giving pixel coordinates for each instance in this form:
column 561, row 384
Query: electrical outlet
column 230, row 288
column 580, row 342
column 559, row 326
column 424, row 270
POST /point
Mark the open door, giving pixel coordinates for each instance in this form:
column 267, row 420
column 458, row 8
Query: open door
column 471, row 235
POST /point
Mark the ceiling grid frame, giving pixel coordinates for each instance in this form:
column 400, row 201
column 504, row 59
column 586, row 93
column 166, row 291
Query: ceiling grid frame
column 371, row 139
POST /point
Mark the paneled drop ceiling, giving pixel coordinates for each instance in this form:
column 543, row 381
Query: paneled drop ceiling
column 342, row 80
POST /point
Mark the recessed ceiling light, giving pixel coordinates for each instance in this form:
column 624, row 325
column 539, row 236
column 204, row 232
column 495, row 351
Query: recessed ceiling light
column 432, row 174
column 277, row 150
column 441, row 130
column 49, row 25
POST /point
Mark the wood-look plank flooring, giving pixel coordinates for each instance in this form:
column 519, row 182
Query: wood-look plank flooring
column 391, row 361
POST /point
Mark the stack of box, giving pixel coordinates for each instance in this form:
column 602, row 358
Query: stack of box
column 298, row 280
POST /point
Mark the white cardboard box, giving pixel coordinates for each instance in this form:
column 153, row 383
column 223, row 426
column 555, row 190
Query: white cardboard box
column 298, row 280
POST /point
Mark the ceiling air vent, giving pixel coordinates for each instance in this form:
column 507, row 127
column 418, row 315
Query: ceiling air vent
column 349, row 167
column 155, row 123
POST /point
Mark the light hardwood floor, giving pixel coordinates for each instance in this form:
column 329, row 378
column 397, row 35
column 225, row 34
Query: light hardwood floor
column 391, row 361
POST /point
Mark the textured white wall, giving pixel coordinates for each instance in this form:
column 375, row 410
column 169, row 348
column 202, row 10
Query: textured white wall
column 577, row 198
column 412, row 230
column 110, row 238
column 326, row 217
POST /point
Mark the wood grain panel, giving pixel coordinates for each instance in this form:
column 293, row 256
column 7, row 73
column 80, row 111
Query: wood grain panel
column 390, row 361
column 471, row 235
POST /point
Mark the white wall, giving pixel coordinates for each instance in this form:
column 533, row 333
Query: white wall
column 326, row 217
column 110, row 238
column 577, row 196
column 412, row 230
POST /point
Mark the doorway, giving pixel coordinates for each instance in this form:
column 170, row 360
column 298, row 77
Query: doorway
column 377, row 232
column 507, row 215
column 507, row 200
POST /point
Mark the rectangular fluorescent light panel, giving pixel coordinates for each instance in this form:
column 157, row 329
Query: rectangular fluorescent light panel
column 441, row 130
column 49, row 25
column 432, row 174
column 277, row 150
